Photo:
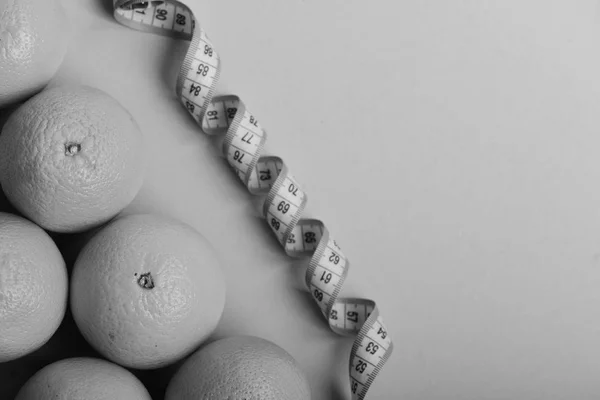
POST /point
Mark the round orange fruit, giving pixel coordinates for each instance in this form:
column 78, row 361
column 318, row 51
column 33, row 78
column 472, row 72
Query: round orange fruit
column 33, row 43
column 33, row 287
column 239, row 367
column 83, row 378
column 71, row 158
column 147, row 290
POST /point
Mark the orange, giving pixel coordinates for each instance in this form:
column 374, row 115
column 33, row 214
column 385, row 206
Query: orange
column 33, row 43
column 33, row 287
column 83, row 378
column 71, row 158
column 147, row 290
column 238, row 368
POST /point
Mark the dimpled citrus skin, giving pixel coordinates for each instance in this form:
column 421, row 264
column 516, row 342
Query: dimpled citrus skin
column 33, row 42
column 33, row 287
column 71, row 158
column 239, row 368
column 83, row 378
column 147, row 290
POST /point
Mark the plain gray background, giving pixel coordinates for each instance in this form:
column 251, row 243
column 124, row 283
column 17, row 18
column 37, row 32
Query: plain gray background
column 453, row 149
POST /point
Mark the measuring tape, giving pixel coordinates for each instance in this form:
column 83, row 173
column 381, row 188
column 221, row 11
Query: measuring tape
column 267, row 176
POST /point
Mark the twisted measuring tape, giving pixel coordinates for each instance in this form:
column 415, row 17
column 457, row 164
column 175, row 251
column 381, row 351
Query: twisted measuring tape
column 269, row 176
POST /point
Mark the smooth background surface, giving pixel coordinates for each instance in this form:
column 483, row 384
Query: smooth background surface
column 453, row 149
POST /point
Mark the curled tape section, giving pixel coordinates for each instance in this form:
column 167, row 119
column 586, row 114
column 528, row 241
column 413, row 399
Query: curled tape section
column 269, row 176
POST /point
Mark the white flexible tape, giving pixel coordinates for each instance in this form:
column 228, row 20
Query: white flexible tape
column 269, row 176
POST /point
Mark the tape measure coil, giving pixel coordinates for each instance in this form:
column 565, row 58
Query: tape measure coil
column 244, row 139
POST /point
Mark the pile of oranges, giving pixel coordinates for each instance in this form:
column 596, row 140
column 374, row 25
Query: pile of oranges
column 94, row 302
